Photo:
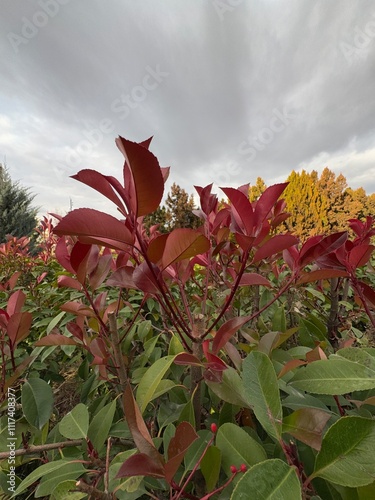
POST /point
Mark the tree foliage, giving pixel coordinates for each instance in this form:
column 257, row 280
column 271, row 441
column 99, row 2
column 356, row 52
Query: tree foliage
column 176, row 213
column 17, row 215
column 320, row 204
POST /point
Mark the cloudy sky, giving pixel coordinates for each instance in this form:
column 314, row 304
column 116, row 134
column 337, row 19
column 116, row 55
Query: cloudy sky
column 229, row 89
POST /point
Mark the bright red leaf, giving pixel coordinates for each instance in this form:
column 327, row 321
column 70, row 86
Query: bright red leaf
column 276, row 244
column 92, row 226
column 146, row 173
column 183, row 244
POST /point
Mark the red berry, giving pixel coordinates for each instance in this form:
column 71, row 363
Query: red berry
column 243, row 468
column 214, row 428
column 233, row 469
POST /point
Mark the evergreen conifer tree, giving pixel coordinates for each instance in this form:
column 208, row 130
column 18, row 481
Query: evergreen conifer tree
column 17, row 215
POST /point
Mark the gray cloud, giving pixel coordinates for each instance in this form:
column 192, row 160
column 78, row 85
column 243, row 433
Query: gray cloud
column 226, row 75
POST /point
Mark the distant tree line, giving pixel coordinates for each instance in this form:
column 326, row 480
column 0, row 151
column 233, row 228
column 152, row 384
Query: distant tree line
column 317, row 204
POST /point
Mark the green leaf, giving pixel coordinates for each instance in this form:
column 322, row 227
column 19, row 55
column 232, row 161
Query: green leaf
column 334, row 376
column 54, row 321
column 63, row 491
column 151, row 379
column 279, row 320
column 237, row 447
column 262, row 392
column 356, row 354
column 210, row 467
column 76, row 423
column 347, row 455
column 230, row 389
column 39, row 472
column 307, row 425
column 195, row 451
column 187, row 414
column 269, row 480
column 49, row 481
column 37, row 401
column 99, row 428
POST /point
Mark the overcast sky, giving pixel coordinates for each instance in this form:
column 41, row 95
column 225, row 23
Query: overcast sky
column 229, row 89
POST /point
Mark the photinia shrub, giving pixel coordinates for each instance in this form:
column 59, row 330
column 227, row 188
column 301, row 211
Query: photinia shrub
column 213, row 388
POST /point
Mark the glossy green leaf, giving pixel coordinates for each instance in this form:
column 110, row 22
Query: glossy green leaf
column 269, row 480
column 39, row 472
column 151, row 380
column 63, row 491
column 334, row 376
column 356, row 354
column 279, row 320
column 237, row 447
column 195, row 451
column 262, row 392
column 66, row 472
column 99, row 428
column 230, row 389
column 210, row 467
column 347, row 455
column 37, row 401
column 75, row 424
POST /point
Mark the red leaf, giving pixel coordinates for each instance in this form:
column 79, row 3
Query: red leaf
column 323, row 247
column 18, row 326
column 183, row 244
column 305, row 254
column 245, row 242
column 100, row 183
column 140, row 465
column 77, row 308
column 226, row 331
column 15, row 302
column 368, row 292
column 144, row 279
column 208, row 201
column 147, row 176
column 122, row 277
column 92, row 226
column 165, row 173
column 185, row 435
column 99, row 274
column 321, row 274
column 139, row 430
column 79, row 259
column 156, row 248
column 185, row 358
column 291, row 257
column 315, row 354
column 267, row 201
column 62, row 255
column 254, row 279
column 291, row 365
column 360, row 255
column 67, row 281
column 276, row 244
column 55, row 339
column 242, row 209
column 75, row 330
